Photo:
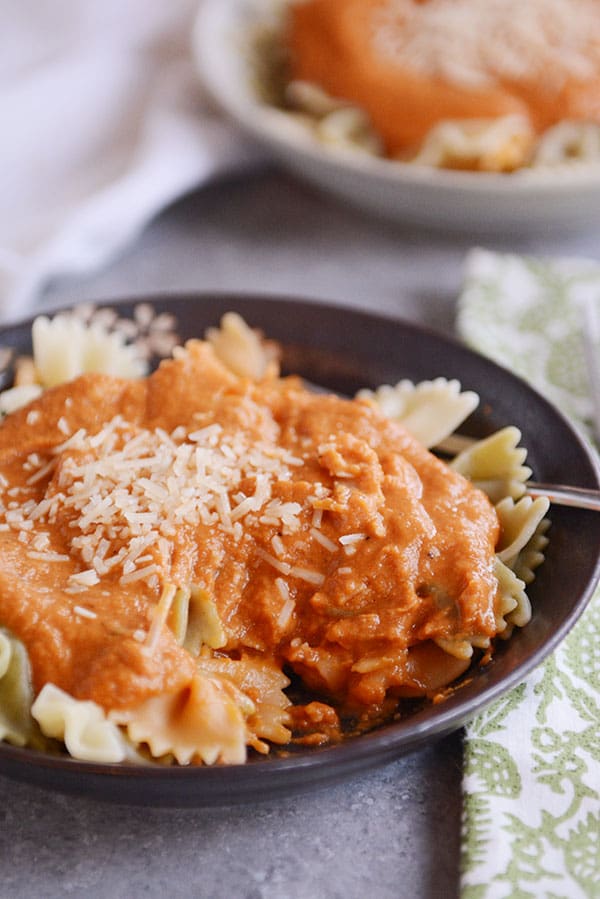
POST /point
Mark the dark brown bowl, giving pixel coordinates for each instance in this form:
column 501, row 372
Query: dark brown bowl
column 344, row 350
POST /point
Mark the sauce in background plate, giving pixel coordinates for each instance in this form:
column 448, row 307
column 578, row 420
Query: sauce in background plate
column 410, row 65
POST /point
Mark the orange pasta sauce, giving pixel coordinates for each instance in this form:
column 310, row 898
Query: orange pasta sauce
column 330, row 541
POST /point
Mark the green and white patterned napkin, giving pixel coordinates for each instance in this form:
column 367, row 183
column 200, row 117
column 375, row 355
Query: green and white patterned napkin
column 531, row 785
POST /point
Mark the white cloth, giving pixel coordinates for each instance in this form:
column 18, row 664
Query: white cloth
column 103, row 124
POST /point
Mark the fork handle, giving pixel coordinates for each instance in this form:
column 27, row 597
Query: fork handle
column 561, row 495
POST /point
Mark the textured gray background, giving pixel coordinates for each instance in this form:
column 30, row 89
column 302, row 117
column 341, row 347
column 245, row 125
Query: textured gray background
column 388, row 834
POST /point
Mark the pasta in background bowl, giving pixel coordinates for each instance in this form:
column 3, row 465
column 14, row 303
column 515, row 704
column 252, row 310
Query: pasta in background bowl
column 229, row 46
column 343, row 359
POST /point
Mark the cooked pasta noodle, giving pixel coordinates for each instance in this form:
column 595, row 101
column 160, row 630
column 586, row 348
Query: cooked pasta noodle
column 518, row 524
column 431, row 410
column 532, row 554
column 195, row 620
column 81, row 725
column 63, row 347
column 204, row 722
column 16, row 695
column 16, row 397
column 515, row 607
column 569, row 142
column 495, row 464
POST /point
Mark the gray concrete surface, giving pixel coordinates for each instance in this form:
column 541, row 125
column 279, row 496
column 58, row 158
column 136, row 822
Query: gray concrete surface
column 391, row 833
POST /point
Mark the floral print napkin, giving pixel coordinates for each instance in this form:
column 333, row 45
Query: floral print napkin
column 531, row 821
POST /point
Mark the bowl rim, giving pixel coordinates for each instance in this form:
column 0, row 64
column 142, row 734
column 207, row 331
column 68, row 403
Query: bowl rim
column 300, row 771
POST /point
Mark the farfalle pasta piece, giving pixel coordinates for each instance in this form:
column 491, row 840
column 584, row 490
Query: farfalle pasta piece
column 204, row 627
column 430, row 410
column 263, row 682
column 308, row 97
column 177, row 618
column 16, row 695
column 241, row 348
column 195, row 621
column 16, row 397
column 81, row 725
column 519, row 523
column 495, row 464
column 532, row 555
column 5, row 653
column 205, row 721
column 335, row 123
column 462, row 647
column 64, row 347
column 348, row 129
column 490, row 145
column 569, row 142
column 514, row 607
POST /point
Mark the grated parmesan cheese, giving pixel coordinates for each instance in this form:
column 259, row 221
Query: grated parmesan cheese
column 161, row 613
column 125, row 490
column 306, row 574
column 84, row 613
column 349, row 539
column 63, row 426
column 478, row 43
column 285, row 616
column 278, row 545
column 323, row 540
column 84, row 578
column 283, row 567
column 46, row 556
column 283, row 588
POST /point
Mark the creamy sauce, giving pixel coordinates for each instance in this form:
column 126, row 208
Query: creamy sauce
column 337, row 45
column 379, row 550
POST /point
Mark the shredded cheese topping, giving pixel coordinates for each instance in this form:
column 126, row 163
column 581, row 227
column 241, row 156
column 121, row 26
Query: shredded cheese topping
column 125, row 491
column 477, row 43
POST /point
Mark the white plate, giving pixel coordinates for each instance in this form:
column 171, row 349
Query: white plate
column 561, row 198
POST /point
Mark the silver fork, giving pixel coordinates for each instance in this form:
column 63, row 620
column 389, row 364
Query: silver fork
column 559, row 494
